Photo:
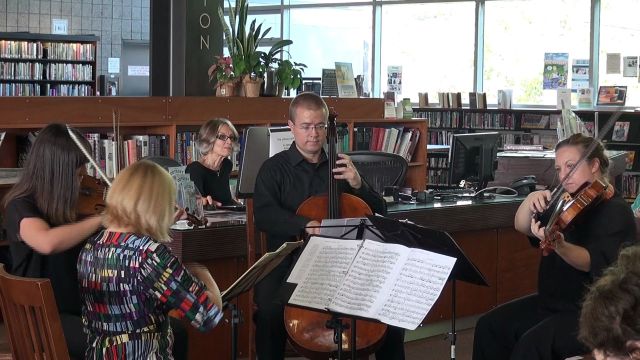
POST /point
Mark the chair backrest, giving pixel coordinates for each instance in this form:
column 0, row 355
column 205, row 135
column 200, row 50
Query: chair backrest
column 380, row 169
column 31, row 318
column 165, row 162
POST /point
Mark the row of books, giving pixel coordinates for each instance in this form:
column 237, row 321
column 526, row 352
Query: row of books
column 392, row 139
column 437, row 177
column 110, row 157
column 539, row 121
column 446, row 100
column 68, row 90
column 39, row 71
column 546, row 140
column 630, row 185
column 13, row 89
column 439, row 119
column 488, row 121
column 19, row 49
column 438, row 162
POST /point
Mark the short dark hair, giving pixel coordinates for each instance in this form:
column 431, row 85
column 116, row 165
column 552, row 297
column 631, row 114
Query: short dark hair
column 584, row 142
column 308, row 100
column 50, row 174
column 611, row 310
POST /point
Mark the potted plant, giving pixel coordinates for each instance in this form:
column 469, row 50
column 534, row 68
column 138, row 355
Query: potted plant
column 289, row 75
column 243, row 43
column 223, row 73
column 269, row 60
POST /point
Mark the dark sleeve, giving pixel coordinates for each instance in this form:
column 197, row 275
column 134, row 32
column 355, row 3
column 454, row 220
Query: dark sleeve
column 197, row 176
column 16, row 210
column 271, row 215
column 607, row 235
column 370, row 196
column 225, row 191
column 166, row 279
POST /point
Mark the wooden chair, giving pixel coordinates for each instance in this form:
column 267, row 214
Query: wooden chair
column 31, row 317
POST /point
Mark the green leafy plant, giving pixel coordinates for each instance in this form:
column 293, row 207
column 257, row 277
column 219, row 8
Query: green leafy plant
column 289, row 73
column 241, row 41
column 270, row 58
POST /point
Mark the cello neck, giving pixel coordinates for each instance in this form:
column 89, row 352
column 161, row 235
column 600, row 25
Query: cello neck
column 332, row 140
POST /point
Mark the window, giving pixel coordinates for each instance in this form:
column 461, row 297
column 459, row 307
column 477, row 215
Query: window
column 620, row 33
column 519, row 33
column 434, row 45
column 323, row 36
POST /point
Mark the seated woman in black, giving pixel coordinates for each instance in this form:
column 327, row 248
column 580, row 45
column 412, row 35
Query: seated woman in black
column 545, row 325
column 45, row 236
column 211, row 172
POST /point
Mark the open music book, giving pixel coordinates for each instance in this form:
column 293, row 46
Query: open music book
column 391, row 283
column 258, row 270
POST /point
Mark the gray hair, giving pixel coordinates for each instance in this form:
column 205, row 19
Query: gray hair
column 208, row 133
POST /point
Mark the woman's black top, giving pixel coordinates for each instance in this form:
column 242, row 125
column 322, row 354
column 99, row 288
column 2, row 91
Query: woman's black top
column 212, row 183
column 60, row 268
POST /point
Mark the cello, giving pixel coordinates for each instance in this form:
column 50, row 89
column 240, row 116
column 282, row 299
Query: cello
column 308, row 330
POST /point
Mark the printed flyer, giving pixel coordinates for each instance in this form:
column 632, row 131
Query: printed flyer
column 556, row 71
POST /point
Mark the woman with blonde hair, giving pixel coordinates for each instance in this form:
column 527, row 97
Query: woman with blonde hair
column 127, row 267
column 211, row 173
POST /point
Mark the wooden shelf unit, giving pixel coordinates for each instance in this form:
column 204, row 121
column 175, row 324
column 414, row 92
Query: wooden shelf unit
column 170, row 115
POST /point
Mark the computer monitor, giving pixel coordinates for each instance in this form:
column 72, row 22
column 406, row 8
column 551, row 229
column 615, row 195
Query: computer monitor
column 472, row 158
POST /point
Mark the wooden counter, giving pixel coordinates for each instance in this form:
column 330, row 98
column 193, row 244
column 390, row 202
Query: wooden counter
column 483, row 229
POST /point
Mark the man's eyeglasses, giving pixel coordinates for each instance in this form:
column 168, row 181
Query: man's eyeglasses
column 308, row 127
column 224, row 137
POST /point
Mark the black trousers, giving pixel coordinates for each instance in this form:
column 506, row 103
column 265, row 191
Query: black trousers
column 271, row 335
column 76, row 338
column 519, row 330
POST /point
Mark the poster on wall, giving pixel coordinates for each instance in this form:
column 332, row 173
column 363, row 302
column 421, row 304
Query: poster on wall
column 630, row 68
column 394, row 78
column 345, row 80
column 579, row 74
column 556, row 71
column 613, row 63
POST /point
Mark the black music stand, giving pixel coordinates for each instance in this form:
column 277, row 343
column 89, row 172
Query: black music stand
column 416, row 236
column 246, row 281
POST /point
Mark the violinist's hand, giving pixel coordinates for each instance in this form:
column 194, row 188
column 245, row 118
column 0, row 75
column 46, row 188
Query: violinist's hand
column 347, row 171
column 537, row 229
column 180, row 214
column 208, row 200
column 312, row 230
column 539, row 200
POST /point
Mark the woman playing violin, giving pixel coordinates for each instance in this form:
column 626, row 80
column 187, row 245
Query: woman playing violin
column 545, row 325
column 44, row 234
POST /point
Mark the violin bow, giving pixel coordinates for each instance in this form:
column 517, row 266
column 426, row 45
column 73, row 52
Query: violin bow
column 87, row 155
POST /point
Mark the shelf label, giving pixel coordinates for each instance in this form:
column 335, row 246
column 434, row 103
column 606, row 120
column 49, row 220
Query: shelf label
column 59, row 26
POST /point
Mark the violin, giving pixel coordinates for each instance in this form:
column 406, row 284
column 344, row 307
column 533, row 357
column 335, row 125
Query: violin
column 570, row 207
column 92, row 199
column 307, row 329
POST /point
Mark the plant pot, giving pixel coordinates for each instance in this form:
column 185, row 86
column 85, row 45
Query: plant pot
column 226, row 89
column 251, row 87
column 270, row 83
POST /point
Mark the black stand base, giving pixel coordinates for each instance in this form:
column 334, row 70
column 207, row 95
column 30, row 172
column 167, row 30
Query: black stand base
column 235, row 321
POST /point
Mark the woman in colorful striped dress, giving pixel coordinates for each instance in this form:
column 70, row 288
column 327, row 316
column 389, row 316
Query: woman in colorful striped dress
column 129, row 280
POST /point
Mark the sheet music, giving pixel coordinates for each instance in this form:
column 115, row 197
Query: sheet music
column 369, row 278
column 416, row 289
column 320, row 270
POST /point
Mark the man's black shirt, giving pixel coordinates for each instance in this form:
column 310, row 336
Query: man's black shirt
column 284, row 182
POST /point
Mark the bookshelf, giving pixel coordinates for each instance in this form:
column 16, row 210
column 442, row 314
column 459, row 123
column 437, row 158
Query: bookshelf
column 47, row 64
column 169, row 116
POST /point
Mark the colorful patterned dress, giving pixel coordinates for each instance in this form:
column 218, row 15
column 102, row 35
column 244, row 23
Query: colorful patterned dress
column 128, row 284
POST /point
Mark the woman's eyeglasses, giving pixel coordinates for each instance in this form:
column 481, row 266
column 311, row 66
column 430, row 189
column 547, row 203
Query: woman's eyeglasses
column 224, row 137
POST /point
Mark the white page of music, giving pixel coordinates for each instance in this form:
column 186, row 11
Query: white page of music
column 416, row 289
column 369, row 279
column 392, row 283
column 320, row 270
